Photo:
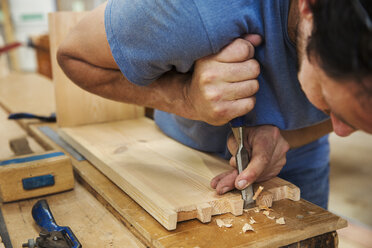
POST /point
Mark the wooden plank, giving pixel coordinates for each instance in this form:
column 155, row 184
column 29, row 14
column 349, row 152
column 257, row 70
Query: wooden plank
column 303, row 214
column 27, row 92
column 171, row 181
column 11, row 176
column 74, row 105
column 89, row 220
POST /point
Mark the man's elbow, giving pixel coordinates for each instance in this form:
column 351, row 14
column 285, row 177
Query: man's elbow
column 74, row 68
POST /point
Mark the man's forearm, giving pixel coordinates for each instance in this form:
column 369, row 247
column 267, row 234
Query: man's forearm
column 167, row 93
column 300, row 137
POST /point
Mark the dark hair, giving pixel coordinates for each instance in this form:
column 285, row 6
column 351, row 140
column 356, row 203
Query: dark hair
column 341, row 39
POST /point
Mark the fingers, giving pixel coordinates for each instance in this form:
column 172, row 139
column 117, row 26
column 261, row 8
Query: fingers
column 237, row 51
column 229, row 72
column 240, row 90
column 254, row 39
column 224, row 182
column 263, row 147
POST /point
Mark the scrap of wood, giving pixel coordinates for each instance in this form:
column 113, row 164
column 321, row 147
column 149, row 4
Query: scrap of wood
column 222, row 223
column 247, row 227
column 267, row 214
column 252, row 221
column 20, row 146
column 257, row 193
column 280, row 221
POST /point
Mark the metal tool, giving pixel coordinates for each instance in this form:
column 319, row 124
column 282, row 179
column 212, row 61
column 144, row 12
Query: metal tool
column 51, row 235
column 4, row 233
column 242, row 157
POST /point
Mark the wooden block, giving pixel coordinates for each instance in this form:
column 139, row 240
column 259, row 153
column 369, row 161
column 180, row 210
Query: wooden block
column 75, row 106
column 15, row 177
column 20, row 146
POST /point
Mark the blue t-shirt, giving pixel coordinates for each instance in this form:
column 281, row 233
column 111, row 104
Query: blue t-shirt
column 148, row 38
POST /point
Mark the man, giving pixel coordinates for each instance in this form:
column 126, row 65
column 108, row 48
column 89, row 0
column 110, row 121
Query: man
column 143, row 52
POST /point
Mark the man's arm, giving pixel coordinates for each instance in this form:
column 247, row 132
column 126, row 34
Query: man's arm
column 86, row 58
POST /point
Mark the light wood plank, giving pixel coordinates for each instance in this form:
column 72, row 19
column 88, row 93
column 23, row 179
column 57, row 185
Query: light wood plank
column 27, row 92
column 171, row 181
column 75, row 106
column 162, row 175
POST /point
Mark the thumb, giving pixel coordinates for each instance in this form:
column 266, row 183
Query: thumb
column 255, row 39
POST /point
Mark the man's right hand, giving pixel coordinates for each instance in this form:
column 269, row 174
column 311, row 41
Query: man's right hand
column 223, row 85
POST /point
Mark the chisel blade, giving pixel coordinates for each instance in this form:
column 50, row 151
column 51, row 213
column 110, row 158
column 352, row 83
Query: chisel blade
column 242, row 161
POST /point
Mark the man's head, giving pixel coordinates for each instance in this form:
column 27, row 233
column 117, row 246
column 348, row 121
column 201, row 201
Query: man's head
column 334, row 40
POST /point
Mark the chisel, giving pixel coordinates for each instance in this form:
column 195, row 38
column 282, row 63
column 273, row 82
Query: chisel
column 242, row 157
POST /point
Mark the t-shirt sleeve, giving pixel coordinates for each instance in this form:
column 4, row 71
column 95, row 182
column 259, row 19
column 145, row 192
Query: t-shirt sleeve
column 150, row 37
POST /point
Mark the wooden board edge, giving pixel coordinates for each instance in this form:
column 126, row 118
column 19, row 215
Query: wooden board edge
column 167, row 217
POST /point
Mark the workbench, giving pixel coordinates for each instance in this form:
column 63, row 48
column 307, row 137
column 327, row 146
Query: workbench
column 102, row 215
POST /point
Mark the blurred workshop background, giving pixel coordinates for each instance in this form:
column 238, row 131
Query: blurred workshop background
column 24, row 26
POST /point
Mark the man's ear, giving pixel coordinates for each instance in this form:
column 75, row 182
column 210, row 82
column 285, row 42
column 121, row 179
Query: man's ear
column 305, row 9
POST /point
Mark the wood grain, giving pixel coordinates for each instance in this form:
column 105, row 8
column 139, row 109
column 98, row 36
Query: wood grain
column 171, row 181
column 314, row 221
column 93, row 225
column 75, row 106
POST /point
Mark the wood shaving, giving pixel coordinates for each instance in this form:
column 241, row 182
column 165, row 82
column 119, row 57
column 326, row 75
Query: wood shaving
column 221, row 223
column 252, row 221
column 280, row 221
column 247, row 227
column 267, row 213
column 311, row 212
column 256, row 210
column 257, row 193
column 228, row 221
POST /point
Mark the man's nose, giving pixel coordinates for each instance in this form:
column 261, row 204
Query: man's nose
column 340, row 128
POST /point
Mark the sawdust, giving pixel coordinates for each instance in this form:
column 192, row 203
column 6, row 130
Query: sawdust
column 222, row 223
column 252, row 221
column 247, row 227
column 280, row 221
column 267, row 213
